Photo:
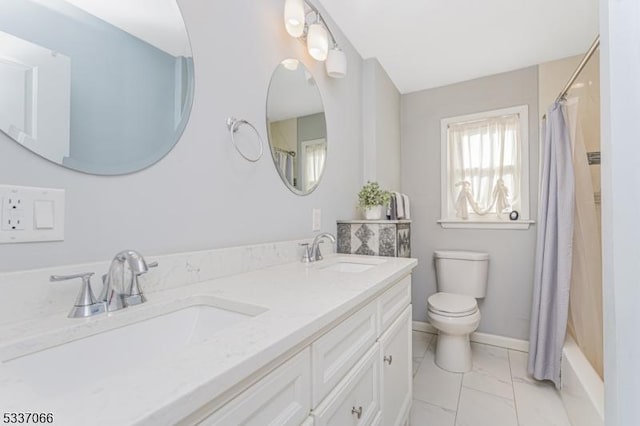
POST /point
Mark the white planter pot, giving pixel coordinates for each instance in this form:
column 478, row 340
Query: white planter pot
column 373, row 213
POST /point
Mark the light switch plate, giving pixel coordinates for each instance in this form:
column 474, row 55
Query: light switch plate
column 22, row 222
column 44, row 214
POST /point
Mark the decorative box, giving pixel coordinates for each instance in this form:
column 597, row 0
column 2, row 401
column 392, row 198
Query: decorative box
column 375, row 237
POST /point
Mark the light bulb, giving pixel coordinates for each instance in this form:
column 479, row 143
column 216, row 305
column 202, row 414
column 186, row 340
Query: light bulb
column 294, row 17
column 318, row 42
column 336, row 63
column 291, row 64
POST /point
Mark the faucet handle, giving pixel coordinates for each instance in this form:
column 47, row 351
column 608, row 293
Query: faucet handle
column 135, row 296
column 86, row 304
column 83, row 275
column 306, row 255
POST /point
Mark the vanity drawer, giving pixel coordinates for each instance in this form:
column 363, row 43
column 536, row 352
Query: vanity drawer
column 336, row 352
column 393, row 302
column 281, row 398
column 356, row 400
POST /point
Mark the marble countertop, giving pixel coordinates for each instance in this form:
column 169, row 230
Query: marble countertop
column 293, row 303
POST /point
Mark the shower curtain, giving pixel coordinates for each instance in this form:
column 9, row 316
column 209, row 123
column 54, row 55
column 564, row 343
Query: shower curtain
column 554, row 250
column 284, row 163
column 585, row 301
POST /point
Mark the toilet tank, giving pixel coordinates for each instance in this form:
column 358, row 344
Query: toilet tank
column 462, row 272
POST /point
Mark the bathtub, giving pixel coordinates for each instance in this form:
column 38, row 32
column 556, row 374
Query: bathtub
column 582, row 388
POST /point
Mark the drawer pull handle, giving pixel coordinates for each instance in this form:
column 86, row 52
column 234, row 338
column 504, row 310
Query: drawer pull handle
column 357, row 412
column 388, row 359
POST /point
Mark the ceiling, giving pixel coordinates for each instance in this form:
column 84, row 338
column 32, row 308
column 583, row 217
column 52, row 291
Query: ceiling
column 292, row 94
column 431, row 43
column 157, row 22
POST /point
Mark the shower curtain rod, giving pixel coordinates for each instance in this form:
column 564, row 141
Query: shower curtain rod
column 576, row 73
column 291, row 153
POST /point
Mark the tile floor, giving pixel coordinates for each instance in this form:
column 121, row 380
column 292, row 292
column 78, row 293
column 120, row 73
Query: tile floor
column 496, row 392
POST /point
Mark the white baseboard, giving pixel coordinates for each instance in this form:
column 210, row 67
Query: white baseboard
column 424, row 326
column 485, row 338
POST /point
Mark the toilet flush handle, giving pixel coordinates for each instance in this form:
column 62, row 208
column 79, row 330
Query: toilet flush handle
column 388, row 359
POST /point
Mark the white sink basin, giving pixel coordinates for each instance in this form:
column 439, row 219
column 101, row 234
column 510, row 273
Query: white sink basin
column 348, row 267
column 346, row 264
column 76, row 364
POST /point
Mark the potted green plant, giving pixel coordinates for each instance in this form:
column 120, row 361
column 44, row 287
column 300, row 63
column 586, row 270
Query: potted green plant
column 371, row 199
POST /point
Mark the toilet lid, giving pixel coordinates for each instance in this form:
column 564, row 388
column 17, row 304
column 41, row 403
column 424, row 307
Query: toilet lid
column 450, row 304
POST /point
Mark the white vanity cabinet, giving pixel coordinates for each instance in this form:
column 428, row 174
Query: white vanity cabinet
column 335, row 353
column 358, row 373
column 396, row 369
column 356, row 400
column 283, row 397
column 308, row 422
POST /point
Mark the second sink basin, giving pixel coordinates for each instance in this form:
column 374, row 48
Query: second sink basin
column 347, row 264
column 81, row 362
column 348, row 267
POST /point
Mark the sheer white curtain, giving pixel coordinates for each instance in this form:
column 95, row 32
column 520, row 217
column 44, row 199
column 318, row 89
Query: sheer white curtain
column 314, row 157
column 281, row 162
column 484, row 166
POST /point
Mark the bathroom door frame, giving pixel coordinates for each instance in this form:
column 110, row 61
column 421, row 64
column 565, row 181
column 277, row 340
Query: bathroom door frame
column 620, row 96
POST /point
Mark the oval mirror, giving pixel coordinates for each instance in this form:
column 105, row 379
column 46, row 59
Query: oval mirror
column 102, row 87
column 297, row 127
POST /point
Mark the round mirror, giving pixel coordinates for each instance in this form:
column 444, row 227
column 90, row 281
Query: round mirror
column 102, row 87
column 297, row 127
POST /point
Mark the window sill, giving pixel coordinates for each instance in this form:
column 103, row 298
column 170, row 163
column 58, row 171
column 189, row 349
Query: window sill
column 485, row 224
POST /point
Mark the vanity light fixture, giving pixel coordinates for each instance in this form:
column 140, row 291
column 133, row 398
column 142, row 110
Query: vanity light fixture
column 336, row 63
column 303, row 20
column 318, row 42
column 294, row 17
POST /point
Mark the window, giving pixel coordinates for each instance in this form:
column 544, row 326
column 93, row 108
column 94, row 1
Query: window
column 485, row 169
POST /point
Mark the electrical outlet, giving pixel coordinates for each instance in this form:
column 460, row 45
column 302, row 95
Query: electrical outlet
column 13, row 202
column 15, row 221
column 13, row 215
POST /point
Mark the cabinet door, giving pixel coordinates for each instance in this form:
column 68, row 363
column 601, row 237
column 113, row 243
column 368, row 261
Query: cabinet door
column 334, row 354
column 393, row 302
column 395, row 357
column 283, row 397
column 356, row 399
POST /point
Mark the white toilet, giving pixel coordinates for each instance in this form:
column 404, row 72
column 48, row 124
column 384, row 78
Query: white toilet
column 461, row 279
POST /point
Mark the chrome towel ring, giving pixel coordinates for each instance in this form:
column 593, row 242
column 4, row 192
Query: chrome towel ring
column 233, row 124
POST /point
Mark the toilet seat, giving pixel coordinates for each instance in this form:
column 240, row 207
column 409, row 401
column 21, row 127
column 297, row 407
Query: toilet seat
column 452, row 305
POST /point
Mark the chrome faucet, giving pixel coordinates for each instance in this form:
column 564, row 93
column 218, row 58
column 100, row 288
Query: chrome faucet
column 114, row 295
column 315, row 254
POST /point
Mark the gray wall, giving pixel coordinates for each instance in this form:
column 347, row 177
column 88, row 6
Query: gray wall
column 381, row 126
column 203, row 194
column 311, row 127
column 505, row 310
column 122, row 88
